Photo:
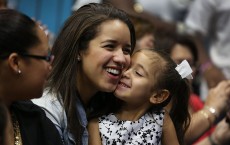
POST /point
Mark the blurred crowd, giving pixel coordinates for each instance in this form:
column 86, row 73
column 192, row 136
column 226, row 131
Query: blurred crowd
column 194, row 30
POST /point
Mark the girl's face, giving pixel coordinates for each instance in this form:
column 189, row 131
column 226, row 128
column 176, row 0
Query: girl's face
column 107, row 56
column 136, row 84
column 34, row 71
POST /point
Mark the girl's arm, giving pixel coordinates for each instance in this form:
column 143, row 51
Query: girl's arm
column 169, row 136
column 94, row 135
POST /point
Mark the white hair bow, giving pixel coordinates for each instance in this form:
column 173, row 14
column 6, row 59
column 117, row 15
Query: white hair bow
column 184, row 70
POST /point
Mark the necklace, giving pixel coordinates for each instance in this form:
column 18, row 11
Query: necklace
column 17, row 134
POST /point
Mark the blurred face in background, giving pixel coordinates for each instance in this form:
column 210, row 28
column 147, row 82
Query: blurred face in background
column 181, row 52
column 145, row 42
column 3, row 4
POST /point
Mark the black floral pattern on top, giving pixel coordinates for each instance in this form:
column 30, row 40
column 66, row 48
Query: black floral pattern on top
column 145, row 131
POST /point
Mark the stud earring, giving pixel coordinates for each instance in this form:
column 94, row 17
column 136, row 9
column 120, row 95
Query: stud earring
column 19, row 71
column 78, row 58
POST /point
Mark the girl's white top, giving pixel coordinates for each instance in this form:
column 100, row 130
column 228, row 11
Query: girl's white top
column 146, row 130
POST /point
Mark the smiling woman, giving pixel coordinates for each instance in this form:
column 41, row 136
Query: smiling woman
column 91, row 52
column 23, row 73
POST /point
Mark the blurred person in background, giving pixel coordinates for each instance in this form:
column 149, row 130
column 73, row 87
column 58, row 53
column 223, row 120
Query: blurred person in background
column 25, row 63
column 220, row 136
column 3, row 4
column 210, row 19
column 204, row 116
column 144, row 31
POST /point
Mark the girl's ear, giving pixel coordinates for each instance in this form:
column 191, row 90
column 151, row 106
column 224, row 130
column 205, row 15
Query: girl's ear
column 160, row 97
column 13, row 62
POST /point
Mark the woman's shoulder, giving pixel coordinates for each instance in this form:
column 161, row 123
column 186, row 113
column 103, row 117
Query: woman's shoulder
column 52, row 106
column 48, row 101
column 48, row 97
column 25, row 106
column 32, row 119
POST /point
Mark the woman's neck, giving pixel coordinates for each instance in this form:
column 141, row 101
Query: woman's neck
column 5, row 97
column 85, row 88
column 85, row 95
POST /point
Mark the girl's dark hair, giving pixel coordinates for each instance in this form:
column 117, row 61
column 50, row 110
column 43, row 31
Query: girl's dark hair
column 168, row 43
column 166, row 78
column 17, row 32
column 80, row 28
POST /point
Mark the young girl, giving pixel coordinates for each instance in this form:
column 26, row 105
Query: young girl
column 144, row 89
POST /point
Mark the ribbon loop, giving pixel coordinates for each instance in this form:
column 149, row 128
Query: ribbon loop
column 184, row 70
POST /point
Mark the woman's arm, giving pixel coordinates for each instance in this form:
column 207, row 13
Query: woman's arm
column 202, row 120
column 169, row 136
column 220, row 136
column 94, row 135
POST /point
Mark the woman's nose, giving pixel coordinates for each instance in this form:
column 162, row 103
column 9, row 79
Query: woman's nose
column 120, row 58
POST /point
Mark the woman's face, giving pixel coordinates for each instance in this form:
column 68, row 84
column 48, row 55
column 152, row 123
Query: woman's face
column 106, row 57
column 34, row 71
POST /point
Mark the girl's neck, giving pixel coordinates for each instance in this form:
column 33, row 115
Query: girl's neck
column 132, row 113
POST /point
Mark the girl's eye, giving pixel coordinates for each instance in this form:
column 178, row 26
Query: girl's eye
column 139, row 74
